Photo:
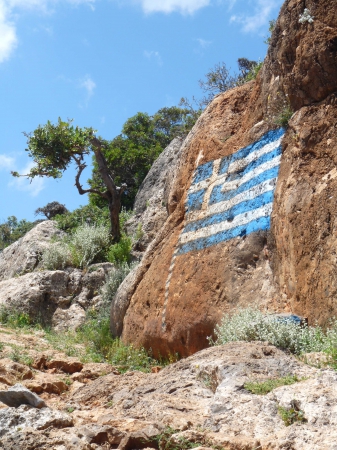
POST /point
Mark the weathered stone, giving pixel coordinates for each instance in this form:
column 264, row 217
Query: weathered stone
column 25, row 254
column 69, row 365
column 58, row 298
column 11, row 372
column 13, row 420
column 205, row 395
column 151, row 200
column 18, row 395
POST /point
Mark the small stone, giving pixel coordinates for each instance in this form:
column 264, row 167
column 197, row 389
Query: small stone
column 19, row 395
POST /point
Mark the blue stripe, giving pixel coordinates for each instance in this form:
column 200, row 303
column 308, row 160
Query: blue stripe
column 203, row 172
column 195, row 200
column 240, row 208
column 263, row 223
column 254, row 164
column 268, row 138
column 219, row 196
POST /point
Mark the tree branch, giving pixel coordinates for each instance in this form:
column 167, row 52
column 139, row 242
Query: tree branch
column 81, row 191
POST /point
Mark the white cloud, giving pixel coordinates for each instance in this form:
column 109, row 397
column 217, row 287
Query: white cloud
column 32, row 187
column 261, row 16
column 8, row 37
column 152, row 54
column 203, row 43
column 6, row 162
column 168, row 6
column 89, row 85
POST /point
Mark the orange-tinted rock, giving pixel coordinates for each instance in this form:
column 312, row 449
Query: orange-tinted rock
column 174, row 299
column 69, row 365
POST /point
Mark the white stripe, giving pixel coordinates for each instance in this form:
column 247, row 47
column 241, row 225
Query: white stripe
column 241, row 163
column 235, row 184
column 220, row 207
column 241, row 219
column 222, row 178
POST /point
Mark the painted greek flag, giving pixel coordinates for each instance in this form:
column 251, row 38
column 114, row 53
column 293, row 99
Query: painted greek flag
column 232, row 196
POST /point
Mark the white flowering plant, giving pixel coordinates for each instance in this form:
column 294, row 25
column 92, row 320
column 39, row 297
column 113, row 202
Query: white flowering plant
column 252, row 325
column 306, row 17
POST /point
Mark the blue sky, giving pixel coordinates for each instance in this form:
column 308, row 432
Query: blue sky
column 100, row 62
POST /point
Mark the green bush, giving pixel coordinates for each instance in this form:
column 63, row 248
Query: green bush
column 56, row 256
column 291, row 415
column 266, row 386
column 14, row 319
column 252, row 325
column 120, row 252
column 88, row 214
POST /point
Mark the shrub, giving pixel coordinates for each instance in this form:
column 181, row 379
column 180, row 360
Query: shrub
column 266, row 386
column 114, row 280
column 120, row 252
column 292, row 414
column 14, row 319
column 88, row 214
column 279, row 110
column 56, row 256
column 87, row 243
column 252, row 325
column 51, row 210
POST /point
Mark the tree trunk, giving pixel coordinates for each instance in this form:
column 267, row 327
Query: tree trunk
column 114, row 210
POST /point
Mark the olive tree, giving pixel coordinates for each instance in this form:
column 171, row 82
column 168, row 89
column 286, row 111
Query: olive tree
column 53, row 147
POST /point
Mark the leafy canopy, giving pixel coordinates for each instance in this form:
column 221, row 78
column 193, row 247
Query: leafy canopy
column 52, row 147
column 131, row 154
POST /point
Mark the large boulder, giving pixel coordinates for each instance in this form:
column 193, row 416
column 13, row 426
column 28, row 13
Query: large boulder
column 150, row 206
column 226, row 242
column 205, row 394
column 24, row 255
column 58, row 298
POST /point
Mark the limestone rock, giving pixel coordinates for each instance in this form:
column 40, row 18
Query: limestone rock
column 251, row 207
column 18, row 395
column 204, row 397
column 58, row 298
column 151, row 200
column 24, row 255
column 13, row 420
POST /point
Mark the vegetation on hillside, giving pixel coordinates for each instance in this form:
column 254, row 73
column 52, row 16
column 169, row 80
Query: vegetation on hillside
column 13, row 229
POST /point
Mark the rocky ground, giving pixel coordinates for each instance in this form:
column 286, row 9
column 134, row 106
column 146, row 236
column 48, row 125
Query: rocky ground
column 200, row 401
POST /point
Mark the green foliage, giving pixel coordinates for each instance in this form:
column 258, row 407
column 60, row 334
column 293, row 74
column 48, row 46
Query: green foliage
column 131, row 154
column 167, row 441
column 120, row 252
column 11, row 230
column 283, row 117
column 86, row 245
column 264, row 387
column 19, row 355
column 14, row 319
column 252, row 325
column 52, row 147
column 51, row 210
column 292, row 414
column 252, row 74
column 272, row 24
column 2, row 346
column 88, row 214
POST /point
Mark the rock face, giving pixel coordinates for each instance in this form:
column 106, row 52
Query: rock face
column 206, row 392
column 227, row 242
column 151, row 201
column 58, row 298
column 24, row 255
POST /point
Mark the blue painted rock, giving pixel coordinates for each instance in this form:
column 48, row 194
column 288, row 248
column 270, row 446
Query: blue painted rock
column 251, row 213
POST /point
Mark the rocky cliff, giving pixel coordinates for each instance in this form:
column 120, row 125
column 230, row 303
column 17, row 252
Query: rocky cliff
column 252, row 205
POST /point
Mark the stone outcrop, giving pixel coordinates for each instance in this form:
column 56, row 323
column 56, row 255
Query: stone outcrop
column 18, row 395
column 24, row 255
column 58, row 298
column 226, row 243
column 150, row 206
